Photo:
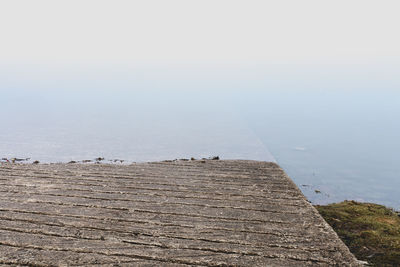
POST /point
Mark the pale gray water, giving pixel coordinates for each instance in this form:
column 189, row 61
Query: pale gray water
column 337, row 133
column 344, row 144
column 131, row 125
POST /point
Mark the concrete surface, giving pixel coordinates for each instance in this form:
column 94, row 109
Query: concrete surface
column 179, row 213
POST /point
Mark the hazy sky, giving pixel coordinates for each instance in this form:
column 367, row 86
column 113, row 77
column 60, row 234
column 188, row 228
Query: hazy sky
column 210, row 32
column 87, row 78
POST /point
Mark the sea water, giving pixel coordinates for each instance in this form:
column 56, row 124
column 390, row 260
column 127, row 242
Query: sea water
column 335, row 134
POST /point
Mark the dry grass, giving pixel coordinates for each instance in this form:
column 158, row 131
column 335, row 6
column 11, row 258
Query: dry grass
column 371, row 231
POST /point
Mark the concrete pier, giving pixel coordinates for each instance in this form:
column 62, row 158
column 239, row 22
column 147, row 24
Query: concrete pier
column 178, row 213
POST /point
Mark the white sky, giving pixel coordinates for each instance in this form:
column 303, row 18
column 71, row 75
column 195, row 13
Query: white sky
column 207, row 31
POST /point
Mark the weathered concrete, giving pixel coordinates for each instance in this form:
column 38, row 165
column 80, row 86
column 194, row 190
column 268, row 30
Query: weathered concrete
column 209, row 213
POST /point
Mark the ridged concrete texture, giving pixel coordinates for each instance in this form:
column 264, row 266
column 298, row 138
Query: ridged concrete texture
column 201, row 212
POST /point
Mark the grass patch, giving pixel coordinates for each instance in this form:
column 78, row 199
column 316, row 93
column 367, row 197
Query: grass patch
column 371, row 231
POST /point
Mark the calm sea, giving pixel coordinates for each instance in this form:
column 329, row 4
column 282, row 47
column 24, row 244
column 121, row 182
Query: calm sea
column 337, row 136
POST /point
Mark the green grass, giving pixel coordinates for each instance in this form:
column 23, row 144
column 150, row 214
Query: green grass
column 371, row 231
